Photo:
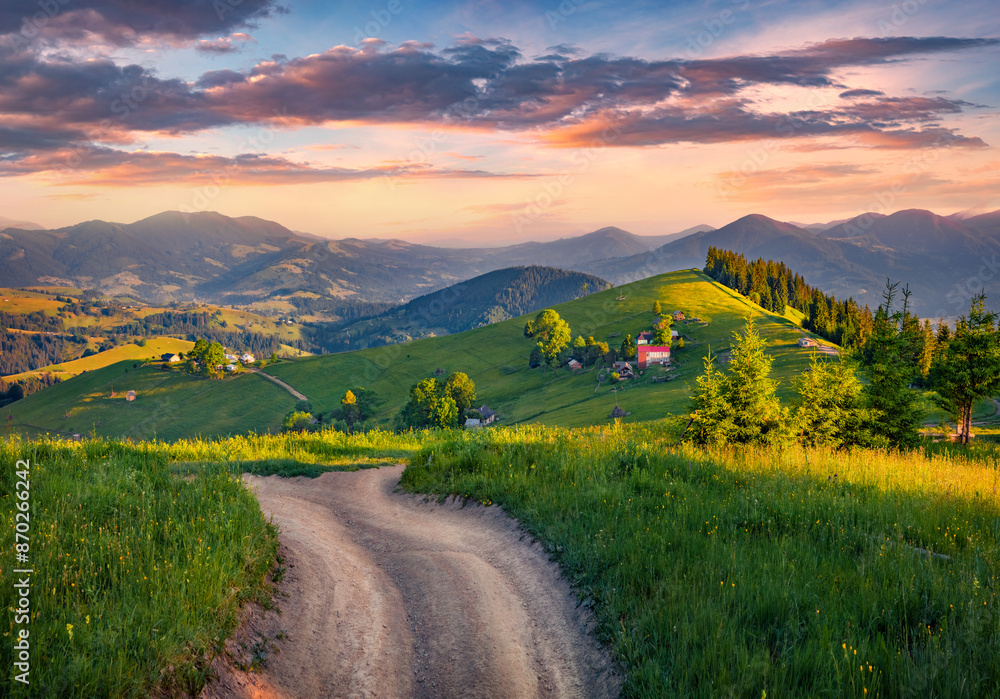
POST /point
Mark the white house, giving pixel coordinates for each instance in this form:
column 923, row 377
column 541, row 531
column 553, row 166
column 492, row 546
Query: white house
column 247, row 358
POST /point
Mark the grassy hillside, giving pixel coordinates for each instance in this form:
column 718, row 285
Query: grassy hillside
column 169, row 405
column 495, row 357
column 154, row 348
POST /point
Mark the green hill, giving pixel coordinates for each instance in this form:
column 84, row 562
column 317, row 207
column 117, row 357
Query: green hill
column 488, row 298
column 495, row 357
column 168, row 405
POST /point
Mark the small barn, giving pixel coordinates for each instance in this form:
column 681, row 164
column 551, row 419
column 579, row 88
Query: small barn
column 130, row 396
column 575, row 365
column 678, row 315
column 170, row 358
column 473, row 423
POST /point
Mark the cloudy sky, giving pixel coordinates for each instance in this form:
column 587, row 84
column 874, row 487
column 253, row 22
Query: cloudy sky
column 492, row 121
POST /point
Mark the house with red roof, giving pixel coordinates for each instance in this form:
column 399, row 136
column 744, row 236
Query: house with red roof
column 653, row 354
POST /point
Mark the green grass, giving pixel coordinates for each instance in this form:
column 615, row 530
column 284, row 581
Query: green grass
column 22, row 301
column 154, row 348
column 139, row 575
column 169, row 405
column 735, row 573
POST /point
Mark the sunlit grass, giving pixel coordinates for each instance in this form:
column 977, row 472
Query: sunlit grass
column 738, row 572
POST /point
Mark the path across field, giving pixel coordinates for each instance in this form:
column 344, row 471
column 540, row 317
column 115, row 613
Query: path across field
column 392, row 596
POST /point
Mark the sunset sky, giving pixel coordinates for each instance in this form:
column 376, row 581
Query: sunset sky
column 493, row 122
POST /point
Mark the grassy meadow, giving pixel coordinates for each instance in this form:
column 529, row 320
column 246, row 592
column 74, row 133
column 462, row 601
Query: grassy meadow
column 154, row 348
column 139, row 574
column 169, row 405
column 752, row 573
column 720, row 573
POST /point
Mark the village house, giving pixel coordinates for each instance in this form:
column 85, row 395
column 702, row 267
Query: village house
column 653, row 354
column 575, row 365
column 473, row 423
column 644, row 338
column 130, row 396
column 232, row 357
column 807, row 342
column 247, row 358
column 170, row 358
column 488, row 415
column 230, row 367
column 624, row 370
column 678, row 316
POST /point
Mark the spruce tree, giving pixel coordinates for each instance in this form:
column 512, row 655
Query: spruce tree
column 888, row 358
column 829, row 409
column 758, row 418
column 711, row 415
column 967, row 368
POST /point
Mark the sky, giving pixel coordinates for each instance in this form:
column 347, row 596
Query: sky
column 491, row 122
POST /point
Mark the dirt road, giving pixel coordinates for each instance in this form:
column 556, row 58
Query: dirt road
column 392, row 596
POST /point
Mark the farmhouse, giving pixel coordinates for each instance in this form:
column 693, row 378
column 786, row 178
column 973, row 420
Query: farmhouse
column 653, row 354
column 247, row 358
column 130, row 396
column 624, row 370
column 678, row 315
column 644, row 338
column 575, row 365
column 170, row 358
column 232, row 357
column 488, row 415
column 807, row 342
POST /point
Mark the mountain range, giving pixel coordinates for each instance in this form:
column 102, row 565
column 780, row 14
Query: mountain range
column 211, row 257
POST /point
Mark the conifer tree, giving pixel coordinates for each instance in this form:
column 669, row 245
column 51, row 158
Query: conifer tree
column 888, row 359
column 967, row 368
column 757, row 415
column 711, row 414
column 829, row 409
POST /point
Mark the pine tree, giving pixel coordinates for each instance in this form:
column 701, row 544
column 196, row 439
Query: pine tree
column 829, row 410
column 757, row 415
column 887, row 357
column 711, row 414
column 968, row 366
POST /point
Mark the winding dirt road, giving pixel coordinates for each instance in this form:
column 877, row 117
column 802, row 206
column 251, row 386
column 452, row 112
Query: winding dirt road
column 392, row 596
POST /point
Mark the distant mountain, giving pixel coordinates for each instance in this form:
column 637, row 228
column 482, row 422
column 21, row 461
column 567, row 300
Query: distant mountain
column 210, row 257
column 24, row 225
column 239, row 261
column 483, row 300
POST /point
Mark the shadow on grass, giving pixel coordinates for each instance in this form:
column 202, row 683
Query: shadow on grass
column 286, row 468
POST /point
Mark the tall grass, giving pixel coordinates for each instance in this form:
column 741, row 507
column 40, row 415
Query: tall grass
column 740, row 572
column 139, row 574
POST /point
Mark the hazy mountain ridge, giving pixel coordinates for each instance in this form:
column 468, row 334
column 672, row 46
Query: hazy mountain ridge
column 208, row 256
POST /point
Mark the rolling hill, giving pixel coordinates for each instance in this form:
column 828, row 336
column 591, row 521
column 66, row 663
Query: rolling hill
column 171, row 405
column 488, row 298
